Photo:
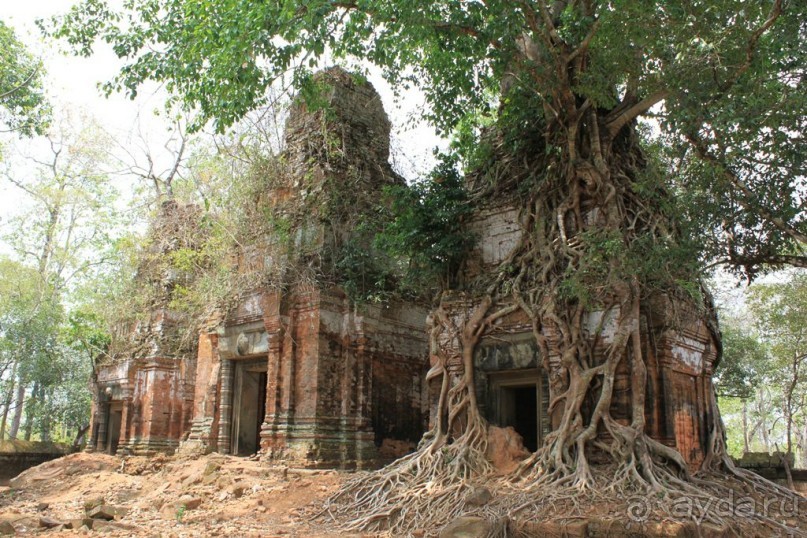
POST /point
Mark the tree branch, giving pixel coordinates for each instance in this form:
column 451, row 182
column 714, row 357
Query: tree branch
column 583, row 47
column 616, row 124
column 748, row 193
column 23, row 84
column 776, row 10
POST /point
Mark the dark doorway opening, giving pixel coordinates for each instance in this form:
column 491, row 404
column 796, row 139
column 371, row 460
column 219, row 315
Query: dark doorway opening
column 113, row 426
column 249, row 407
column 519, row 409
column 519, row 399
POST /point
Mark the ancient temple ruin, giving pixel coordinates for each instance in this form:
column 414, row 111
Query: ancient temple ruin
column 513, row 379
column 293, row 370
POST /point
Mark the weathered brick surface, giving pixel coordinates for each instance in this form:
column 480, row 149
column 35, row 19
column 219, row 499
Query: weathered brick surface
column 340, row 380
column 679, row 361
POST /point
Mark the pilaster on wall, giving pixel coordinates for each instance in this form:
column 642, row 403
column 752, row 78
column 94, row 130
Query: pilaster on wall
column 225, row 408
column 154, row 407
column 101, row 418
column 273, row 437
column 203, row 436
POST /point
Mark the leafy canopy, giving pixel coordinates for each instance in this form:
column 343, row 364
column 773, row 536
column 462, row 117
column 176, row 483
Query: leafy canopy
column 728, row 74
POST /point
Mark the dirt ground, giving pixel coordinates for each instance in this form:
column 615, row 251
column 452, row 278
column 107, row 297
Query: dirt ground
column 212, row 495
column 218, row 495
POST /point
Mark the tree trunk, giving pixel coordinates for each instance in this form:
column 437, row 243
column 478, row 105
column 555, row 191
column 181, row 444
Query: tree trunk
column 763, row 418
column 9, row 396
column 803, row 446
column 79, row 439
column 19, row 402
column 745, row 427
column 45, row 417
column 30, row 411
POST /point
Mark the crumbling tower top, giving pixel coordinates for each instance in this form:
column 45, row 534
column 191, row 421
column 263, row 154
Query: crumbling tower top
column 343, row 124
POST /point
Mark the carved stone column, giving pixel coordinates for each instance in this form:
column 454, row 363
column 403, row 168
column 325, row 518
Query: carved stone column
column 103, row 419
column 226, row 408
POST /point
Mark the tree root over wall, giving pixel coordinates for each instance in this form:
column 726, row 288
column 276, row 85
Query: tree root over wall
column 585, row 228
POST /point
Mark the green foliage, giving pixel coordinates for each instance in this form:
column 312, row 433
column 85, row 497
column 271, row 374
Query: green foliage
column 745, row 363
column 658, row 264
column 428, row 229
column 730, row 74
column 23, row 107
column 411, row 243
column 364, row 273
column 781, row 309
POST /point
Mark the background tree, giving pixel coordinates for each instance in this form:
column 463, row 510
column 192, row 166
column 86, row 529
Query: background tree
column 781, row 310
column 23, row 107
column 29, row 323
column 60, row 238
column 742, row 375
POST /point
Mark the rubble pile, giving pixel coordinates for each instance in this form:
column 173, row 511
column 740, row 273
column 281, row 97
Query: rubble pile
column 167, row 496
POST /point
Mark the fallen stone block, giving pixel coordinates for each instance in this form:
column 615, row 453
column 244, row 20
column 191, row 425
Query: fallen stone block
column 478, row 497
column 110, row 526
column 91, row 503
column 78, row 523
column 107, row 512
column 556, row 529
column 26, row 524
column 49, row 522
column 190, row 502
column 470, row 527
column 237, row 490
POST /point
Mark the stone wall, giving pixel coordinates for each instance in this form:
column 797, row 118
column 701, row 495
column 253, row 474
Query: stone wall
column 17, row 456
column 341, row 379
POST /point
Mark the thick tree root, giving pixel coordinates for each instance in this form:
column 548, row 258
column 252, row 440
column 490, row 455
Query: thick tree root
column 425, row 489
column 422, row 493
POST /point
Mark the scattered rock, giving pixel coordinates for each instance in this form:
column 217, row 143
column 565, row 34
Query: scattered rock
column 49, row 522
column 91, row 503
column 192, row 480
column 79, row 523
column 41, row 507
column 211, row 468
column 7, row 529
column 107, row 526
column 107, row 512
column 479, row 496
column 210, row 478
column 471, row 527
column 505, row 449
column 223, row 482
column 393, row 449
column 237, row 490
column 26, row 524
column 190, row 502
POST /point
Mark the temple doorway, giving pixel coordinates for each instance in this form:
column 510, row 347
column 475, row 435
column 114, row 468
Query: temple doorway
column 249, row 406
column 519, row 400
column 113, row 426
